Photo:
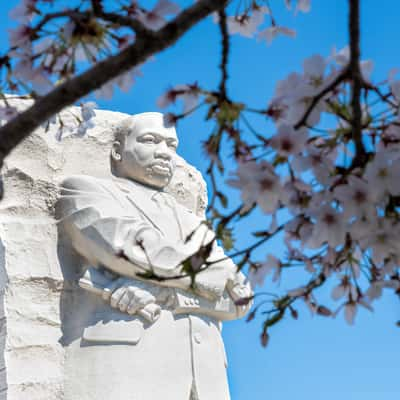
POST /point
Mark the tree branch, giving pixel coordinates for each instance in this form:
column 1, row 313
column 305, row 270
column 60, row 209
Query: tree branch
column 70, row 91
column 357, row 80
column 225, row 52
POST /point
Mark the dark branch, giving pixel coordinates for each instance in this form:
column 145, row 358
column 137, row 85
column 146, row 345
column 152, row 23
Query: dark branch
column 72, row 90
column 357, row 80
column 225, row 52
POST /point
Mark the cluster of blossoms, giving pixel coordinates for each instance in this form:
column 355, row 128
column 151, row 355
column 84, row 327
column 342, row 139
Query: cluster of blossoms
column 339, row 209
column 249, row 22
column 333, row 195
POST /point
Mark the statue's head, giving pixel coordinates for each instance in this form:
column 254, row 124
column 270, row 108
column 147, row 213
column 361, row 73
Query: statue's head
column 144, row 149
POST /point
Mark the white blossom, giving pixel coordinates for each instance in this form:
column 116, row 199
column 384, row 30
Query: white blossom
column 321, row 161
column 383, row 175
column 258, row 184
column 246, row 25
column 273, row 31
column 342, row 58
column 350, row 311
column 123, row 81
column 257, row 275
column 155, row 19
column 344, row 289
column 23, row 12
column 382, row 238
column 376, row 288
column 288, row 140
column 20, row 36
column 356, row 197
column 296, row 195
column 189, row 94
column 297, row 92
column 303, row 6
column 330, row 227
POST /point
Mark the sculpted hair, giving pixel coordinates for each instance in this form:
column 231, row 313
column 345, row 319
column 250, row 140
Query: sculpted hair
column 127, row 125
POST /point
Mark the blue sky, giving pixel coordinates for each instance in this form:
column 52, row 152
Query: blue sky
column 312, row 358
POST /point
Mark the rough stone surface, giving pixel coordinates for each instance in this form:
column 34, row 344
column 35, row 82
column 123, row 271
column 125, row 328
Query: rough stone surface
column 30, row 276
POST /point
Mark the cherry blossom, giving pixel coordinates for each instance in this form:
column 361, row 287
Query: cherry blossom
column 296, row 195
column 297, row 91
column 24, row 11
column 155, row 19
column 257, row 275
column 357, row 197
column 330, row 227
column 189, row 94
column 273, row 31
column 382, row 238
column 302, row 5
column 350, row 311
column 344, row 289
column 320, row 160
column 289, row 141
column 342, row 58
column 383, row 175
column 258, row 184
column 20, row 36
column 123, row 81
column 247, row 25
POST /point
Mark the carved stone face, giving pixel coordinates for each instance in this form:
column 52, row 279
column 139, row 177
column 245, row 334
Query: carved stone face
column 149, row 150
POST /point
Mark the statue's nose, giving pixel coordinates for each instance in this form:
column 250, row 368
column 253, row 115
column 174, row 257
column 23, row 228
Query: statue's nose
column 163, row 151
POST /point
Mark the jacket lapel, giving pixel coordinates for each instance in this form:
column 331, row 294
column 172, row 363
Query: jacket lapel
column 138, row 197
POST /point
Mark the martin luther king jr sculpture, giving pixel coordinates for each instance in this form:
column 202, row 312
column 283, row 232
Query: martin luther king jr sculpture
column 154, row 333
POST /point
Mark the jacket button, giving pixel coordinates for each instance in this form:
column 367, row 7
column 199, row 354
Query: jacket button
column 197, row 338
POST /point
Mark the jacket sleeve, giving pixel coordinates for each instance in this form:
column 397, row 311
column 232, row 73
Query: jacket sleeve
column 97, row 223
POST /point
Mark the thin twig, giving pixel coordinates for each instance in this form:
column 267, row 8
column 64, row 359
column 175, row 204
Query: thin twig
column 225, row 52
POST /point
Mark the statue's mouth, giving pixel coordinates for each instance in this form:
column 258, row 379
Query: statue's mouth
column 162, row 168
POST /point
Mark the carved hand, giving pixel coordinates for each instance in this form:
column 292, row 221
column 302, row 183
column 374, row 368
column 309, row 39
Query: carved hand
column 238, row 290
column 131, row 299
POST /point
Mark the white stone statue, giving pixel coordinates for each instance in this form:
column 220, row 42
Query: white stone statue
column 142, row 329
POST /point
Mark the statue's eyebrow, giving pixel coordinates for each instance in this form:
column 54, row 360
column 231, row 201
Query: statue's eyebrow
column 159, row 137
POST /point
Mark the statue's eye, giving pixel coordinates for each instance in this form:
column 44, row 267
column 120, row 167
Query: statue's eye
column 173, row 145
column 149, row 139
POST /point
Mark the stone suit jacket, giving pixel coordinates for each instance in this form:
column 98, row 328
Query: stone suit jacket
column 180, row 351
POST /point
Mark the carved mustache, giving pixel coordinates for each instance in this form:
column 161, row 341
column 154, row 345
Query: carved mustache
column 162, row 164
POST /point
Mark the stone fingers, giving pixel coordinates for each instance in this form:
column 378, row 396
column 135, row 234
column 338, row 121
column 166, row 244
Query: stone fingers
column 117, row 296
column 130, row 299
column 140, row 300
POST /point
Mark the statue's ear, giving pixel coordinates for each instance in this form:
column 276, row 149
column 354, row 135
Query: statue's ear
column 116, row 151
